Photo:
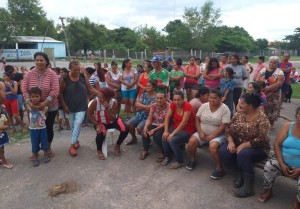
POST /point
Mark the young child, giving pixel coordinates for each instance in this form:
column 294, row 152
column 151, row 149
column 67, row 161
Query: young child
column 177, row 87
column 3, row 140
column 38, row 131
column 226, row 87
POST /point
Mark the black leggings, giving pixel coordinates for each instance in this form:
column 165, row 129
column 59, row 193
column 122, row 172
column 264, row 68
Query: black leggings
column 49, row 125
column 117, row 124
column 237, row 92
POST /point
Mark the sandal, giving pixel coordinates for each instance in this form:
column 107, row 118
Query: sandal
column 160, row 158
column 144, row 155
column 264, row 196
column 131, row 142
column 100, row 156
column 165, row 161
column 50, row 153
column 8, row 165
column 176, row 165
column 35, row 163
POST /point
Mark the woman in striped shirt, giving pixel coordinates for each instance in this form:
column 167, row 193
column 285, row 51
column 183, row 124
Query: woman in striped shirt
column 46, row 79
column 103, row 113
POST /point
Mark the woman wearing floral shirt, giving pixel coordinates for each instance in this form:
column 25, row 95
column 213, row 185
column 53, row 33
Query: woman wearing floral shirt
column 155, row 126
column 247, row 142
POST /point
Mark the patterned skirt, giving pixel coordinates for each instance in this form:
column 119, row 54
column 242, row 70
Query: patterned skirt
column 273, row 105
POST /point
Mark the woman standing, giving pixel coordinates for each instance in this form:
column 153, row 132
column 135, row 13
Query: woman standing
column 176, row 74
column 212, row 74
column 46, row 79
column 192, row 74
column 179, row 132
column 240, row 74
column 143, row 79
column 103, row 114
column 249, row 69
column 128, row 79
column 11, row 102
column 73, row 95
column 273, row 77
column 247, row 142
column 113, row 81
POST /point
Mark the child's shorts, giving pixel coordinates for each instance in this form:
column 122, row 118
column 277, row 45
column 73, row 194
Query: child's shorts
column 39, row 140
column 3, row 139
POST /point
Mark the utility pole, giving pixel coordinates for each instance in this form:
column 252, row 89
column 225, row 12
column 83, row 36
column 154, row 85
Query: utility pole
column 66, row 37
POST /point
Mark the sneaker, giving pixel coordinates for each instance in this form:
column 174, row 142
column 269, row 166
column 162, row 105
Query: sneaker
column 216, row 175
column 46, row 159
column 191, row 165
column 35, row 163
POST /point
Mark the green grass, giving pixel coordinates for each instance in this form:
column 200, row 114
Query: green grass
column 19, row 136
column 296, row 91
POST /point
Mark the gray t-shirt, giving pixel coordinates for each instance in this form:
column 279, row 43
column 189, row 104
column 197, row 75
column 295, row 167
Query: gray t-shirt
column 240, row 73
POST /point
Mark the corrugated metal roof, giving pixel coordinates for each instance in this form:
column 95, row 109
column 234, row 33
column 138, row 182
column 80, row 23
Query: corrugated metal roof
column 36, row 39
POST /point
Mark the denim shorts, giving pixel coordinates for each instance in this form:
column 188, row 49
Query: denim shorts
column 129, row 94
column 39, row 140
column 220, row 139
column 135, row 122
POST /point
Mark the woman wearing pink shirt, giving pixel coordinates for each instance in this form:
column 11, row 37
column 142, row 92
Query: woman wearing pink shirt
column 261, row 65
column 212, row 74
column 46, row 79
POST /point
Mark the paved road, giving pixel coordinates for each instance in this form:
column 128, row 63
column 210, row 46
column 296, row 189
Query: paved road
column 126, row 181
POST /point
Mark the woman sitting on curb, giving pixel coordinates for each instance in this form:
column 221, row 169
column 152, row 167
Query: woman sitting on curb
column 286, row 160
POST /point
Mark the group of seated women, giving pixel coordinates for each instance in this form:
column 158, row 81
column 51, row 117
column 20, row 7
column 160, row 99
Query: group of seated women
column 236, row 142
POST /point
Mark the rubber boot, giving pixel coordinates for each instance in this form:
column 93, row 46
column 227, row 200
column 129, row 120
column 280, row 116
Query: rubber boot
column 238, row 179
column 247, row 189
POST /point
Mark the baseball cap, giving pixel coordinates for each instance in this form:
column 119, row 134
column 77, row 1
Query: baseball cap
column 156, row 59
column 169, row 58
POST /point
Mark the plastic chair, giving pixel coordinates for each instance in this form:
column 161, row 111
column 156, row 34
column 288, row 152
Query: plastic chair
column 109, row 137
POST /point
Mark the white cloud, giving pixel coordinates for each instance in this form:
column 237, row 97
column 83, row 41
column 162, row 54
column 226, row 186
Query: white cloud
column 269, row 19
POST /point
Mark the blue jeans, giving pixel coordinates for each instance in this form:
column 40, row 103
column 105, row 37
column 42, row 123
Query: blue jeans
column 180, row 138
column 39, row 137
column 244, row 160
column 75, row 119
column 157, row 138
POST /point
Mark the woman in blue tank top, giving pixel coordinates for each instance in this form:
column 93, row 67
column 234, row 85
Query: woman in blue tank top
column 286, row 160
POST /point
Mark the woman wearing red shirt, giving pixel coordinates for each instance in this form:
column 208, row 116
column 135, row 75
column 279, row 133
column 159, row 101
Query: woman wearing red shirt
column 179, row 132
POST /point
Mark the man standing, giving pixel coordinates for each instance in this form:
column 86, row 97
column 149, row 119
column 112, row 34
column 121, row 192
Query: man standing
column 286, row 67
column 169, row 59
column 160, row 75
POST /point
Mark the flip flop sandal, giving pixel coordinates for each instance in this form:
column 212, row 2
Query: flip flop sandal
column 35, row 163
column 264, row 197
column 143, row 155
column 46, row 159
column 101, row 156
column 131, row 142
column 8, row 166
column 176, row 165
column 165, row 161
column 50, row 154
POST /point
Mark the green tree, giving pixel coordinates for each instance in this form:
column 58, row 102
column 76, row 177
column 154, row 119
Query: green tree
column 151, row 37
column 293, row 41
column 85, row 35
column 261, row 43
column 179, row 34
column 6, row 29
column 29, row 19
column 200, row 20
column 235, row 39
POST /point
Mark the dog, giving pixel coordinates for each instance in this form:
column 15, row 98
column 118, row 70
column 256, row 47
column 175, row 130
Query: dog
column 288, row 96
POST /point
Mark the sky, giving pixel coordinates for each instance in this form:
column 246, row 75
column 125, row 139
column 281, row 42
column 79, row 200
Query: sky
column 270, row 19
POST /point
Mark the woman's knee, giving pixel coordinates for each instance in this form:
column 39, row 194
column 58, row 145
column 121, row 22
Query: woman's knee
column 193, row 142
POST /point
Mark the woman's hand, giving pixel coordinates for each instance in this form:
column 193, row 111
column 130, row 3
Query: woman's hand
column 295, row 173
column 240, row 148
column 231, row 147
column 66, row 109
column 223, row 99
column 99, row 129
column 106, row 105
column 165, row 135
column 33, row 107
column 151, row 132
column 170, row 137
column 43, row 105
